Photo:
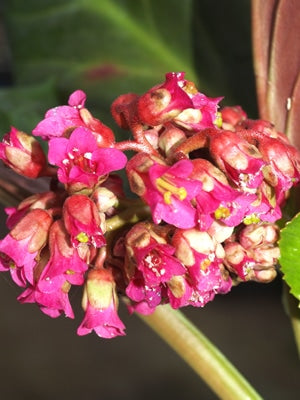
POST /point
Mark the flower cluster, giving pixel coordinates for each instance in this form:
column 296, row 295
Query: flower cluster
column 209, row 184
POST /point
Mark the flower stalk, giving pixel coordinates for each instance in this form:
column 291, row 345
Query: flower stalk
column 200, row 354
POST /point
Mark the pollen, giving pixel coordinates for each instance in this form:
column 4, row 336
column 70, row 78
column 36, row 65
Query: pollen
column 168, row 190
column 205, row 264
column 222, row 212
column 251, row 219
column 218, row 121
column 82, row 237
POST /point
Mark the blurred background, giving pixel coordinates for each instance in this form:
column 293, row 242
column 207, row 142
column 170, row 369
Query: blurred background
column 49, row 48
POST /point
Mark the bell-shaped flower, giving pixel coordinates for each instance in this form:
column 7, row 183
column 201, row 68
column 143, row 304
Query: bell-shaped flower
column 163, row 102
column 20, row 249
column 204, row 113
column 100, row 303
column 203, row 258
column 52, row 303
column 23, row 154
column 82, row 164
column 51, row 201
column 149, row 263
column 82, row 222
column 284, row 164
column 218, row 200
column 61, row 121
column 238, row 159
column 64, row 261
column 168, row 190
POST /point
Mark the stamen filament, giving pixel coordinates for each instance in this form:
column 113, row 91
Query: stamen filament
column 162, row 185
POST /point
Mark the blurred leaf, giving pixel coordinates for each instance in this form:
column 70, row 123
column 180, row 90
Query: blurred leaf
column 104, row 47
column 23, row 106
column 289, row 244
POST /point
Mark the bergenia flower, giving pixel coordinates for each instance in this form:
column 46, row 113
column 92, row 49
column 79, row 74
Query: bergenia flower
column 203, row 114
column 218, row 200
column 82, row 164
column 20, row 249
column 240, row 160
column 149, row 263
column 100, row 303
column 52, row 303
column 82, row 222
column 61, row 121
column 23, row 154
column 51, row 201
column 164, row 102
column 203, row 257
column 64, row 261
column 167, row 190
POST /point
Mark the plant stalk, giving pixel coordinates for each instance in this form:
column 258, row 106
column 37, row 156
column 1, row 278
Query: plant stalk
column 200, row 354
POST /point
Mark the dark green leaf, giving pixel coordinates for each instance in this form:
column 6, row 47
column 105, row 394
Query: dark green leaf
column 105, row 47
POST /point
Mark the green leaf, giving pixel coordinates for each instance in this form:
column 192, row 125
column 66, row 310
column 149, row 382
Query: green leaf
column 289, row 244
column 105, row 47
column 23, row 106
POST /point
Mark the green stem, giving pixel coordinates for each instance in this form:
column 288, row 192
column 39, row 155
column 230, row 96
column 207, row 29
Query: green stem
column 206, row 360
column 129, row 216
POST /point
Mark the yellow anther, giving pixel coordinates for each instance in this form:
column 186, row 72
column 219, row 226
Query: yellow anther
column 251, row 219
column 82, row 237
column 205, row 264
column 168, row 190
column 218, row 121
column 167, row 197
column 222, row 212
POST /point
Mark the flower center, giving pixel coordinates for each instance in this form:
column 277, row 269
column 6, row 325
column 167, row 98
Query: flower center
column 222, row 212
column 82, row 237
column 251, row 219
column 168, row 190
column 83, row 161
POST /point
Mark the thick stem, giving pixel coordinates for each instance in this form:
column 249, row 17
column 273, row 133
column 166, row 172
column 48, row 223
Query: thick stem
column 206, row 360
column 129, row 216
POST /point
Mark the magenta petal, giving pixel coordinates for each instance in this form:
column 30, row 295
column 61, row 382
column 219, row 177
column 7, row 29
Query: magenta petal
column 77, row 99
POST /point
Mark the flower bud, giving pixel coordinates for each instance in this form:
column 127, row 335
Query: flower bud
column 23, row 154
column 163, row 102
column 232, row 116
column 255, row 235
column 240, row 160
column 123, row 109
column 170, row 138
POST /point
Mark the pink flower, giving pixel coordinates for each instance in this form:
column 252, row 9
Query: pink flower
column 150, row 263
column 163, row 102
column 82, row 164
column 284, row 164
column 100, row 303
column 51, row 201
column 203, row 258
column 64, row 263
column 218, row 200
column 82, row 222
column 240, row 160
column 203, row 114
column 61, row 121
column 20, row 249
column 167, row 190
column 52, row 303
column 23, row 154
